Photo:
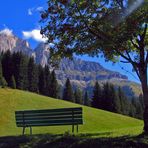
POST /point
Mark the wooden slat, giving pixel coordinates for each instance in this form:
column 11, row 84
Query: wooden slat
column 50, row 121
column 50, row 110
column 50, row 117
column 47, row 124
column 46, row 114
column 47, row 117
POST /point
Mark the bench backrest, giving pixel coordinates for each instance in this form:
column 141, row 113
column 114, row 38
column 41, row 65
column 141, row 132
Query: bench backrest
column 63, row 116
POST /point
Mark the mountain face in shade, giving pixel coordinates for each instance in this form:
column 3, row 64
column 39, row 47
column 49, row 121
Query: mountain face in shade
column 82, row 73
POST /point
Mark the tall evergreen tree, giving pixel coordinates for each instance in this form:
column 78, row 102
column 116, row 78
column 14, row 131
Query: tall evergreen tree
column 7, row 66
column 12, row 82
column 86, row 99
column 78, row 96
column 3, row 82
column 47, row 80
column 97, row 96
column 1, row 73
column 114, row 100
column 20, row 70
column 32, row 76
column 53, row 85
column 124, row 103
column 141, row 100
column 16, row 58
column 41, row 82
column 68, row 92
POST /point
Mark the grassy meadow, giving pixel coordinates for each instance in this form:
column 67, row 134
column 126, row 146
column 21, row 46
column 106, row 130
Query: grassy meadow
column 96, row 122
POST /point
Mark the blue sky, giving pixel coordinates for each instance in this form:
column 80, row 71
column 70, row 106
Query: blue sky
column 22, row 17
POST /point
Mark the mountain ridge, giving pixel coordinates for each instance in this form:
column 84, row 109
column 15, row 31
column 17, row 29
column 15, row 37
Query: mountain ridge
column 82, row 73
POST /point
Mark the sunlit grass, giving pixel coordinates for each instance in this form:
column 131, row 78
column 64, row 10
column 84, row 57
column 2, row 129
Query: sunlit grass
column 96, row 122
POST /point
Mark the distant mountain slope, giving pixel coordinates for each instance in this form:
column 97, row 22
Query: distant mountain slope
column 82, row 73
column 95, row 120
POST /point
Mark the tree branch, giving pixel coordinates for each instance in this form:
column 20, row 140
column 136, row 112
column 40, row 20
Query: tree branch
column 102, row 36
column 144, row 33
column 134, row 64
column 135, row 45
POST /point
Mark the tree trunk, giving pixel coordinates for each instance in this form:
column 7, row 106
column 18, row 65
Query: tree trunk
column 145, row 114
column 143, row 78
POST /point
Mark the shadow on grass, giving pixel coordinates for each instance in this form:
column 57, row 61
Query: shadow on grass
column 74, row 141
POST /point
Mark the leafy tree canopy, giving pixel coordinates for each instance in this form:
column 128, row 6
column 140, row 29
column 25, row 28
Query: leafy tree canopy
column 94, row 26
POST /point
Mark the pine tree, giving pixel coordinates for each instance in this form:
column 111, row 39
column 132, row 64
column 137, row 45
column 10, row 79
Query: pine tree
column 7, row 66
column 97, row 96
column 138, row 112
column 78, row 96
column 41, row 82
column 32, row 76
column 53, row 85
column 124, row 103
column 141, row 100
column 12, row 82
column 20, row 71
column 16, row 58
column 68, row 92
column 47, row 80
column 3, row 82
column 114, row 100
column 86, row 99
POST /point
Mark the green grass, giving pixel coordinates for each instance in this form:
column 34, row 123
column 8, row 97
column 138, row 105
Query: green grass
column 96, row 122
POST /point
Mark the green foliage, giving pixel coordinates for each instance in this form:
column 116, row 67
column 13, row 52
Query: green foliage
column 54, row 88
column 21, row 71
column 86, row 100
column 68, row 92
column 7, row 66
column 97, row 96
column 12, row 82
column 78, row 96
column 32, row 76
column 47, row 80
column 26, row 75
column 3, row 82
column 92, row 27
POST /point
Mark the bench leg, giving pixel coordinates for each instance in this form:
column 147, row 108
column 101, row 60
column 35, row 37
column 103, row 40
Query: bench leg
column 23, row 131
column 77, row 128
column 30, row 130
column 73, row 128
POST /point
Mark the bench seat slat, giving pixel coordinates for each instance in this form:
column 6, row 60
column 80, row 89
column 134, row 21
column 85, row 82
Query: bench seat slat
column 49, row 121
column 47, row 124
column 51, row 110
column 46, row 114
column 47, row 117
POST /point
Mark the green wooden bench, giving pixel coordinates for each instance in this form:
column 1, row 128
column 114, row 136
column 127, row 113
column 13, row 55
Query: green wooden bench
column 49, row 117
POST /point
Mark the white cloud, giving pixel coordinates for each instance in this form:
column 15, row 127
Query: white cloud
column 7, row 31
column 34, row 34
column 34, row 9
column 30, row 11
column 39, row 8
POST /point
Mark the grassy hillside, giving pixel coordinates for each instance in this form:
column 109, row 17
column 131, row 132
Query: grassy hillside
column 95, row 121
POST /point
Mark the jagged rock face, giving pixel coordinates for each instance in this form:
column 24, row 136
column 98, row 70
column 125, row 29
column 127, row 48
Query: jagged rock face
column 86, row 71
column 42, row 54
column 10, row 42
column 7, row 42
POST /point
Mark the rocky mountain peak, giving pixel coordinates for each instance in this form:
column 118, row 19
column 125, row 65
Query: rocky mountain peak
column 8, row 41
column 42, row 54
